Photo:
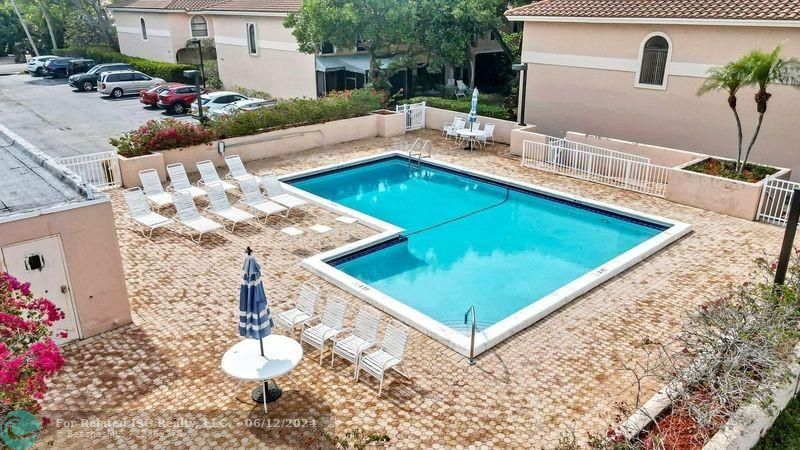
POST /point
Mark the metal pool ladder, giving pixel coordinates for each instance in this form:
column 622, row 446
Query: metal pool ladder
column 472, row 332
column 415, row 155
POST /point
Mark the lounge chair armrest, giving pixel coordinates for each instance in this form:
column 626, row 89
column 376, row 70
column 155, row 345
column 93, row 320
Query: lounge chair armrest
column 343, row 333
column 200, row 183
column 311, row 321
column 390, row 361
column 367, row 347
column 330, row 334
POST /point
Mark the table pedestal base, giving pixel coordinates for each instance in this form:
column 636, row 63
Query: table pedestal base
column 273, row 393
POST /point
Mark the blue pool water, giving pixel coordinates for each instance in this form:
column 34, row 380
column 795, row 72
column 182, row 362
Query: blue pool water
column 468, row 241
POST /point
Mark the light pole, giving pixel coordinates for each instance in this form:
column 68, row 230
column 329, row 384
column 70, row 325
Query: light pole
column 199, row 43
column 522, row 69
column 195, row 75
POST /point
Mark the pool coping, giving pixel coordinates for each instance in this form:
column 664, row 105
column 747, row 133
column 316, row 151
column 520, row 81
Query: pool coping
column 505, row 328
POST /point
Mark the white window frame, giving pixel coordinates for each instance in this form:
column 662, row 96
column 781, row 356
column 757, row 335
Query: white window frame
column 191, row 30
column 664, row 82
column 247, row 26
column 143, row 28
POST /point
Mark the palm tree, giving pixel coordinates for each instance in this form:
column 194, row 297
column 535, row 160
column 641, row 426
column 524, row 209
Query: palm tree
column 729, row 78
column 765, row 69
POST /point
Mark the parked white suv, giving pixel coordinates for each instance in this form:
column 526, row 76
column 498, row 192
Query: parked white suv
column 216, row 100
column 36, row 64
column 122, row 82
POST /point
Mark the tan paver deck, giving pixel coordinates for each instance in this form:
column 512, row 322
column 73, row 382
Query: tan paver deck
column 565, row 369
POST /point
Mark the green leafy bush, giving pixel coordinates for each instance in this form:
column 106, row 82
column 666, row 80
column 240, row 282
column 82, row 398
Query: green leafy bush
column 161, row 135
column 297, row 112
column 158, row 69
column 463, row 105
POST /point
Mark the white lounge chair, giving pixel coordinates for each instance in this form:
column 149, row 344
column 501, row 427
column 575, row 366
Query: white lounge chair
column 488, row 134
column 461, row 89
column 318, row 330
column 458, row 124
column 208, row 175
column 255, row 200
column 179, row 182
column 276, row 193
column 236, row 169
column 151, row 184
column 141, row 213
column 360, row 338
column 219, row 205
column 389, row 354
column 303, row 310
column 189, row 217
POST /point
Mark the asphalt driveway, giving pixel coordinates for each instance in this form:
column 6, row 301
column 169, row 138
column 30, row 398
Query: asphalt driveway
column 63, row 122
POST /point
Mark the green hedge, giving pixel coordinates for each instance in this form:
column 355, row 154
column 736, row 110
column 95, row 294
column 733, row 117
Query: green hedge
column 158, row 69
column 298, row 112
column 463, row 105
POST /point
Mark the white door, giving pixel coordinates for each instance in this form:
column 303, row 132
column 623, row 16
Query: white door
column 41, row 263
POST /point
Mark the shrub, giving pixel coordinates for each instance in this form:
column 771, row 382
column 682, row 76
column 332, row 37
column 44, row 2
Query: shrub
column 161, row 135
column 297, row 112
column 159, row 69
column 463, row 105
column 28, row 355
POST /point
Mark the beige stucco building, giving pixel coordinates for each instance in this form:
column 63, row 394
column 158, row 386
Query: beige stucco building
column 631, row 70
column 59, row 235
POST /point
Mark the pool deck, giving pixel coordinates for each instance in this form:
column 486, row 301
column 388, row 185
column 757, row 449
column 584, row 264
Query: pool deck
column 565, row 370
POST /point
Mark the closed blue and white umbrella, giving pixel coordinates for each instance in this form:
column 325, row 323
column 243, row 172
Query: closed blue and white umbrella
column 473, row 110
column 255, row 321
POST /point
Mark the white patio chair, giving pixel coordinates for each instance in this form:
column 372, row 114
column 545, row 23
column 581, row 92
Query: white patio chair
column 303, row 310
column 236, row 169
column 461, row 89
column 458, row 124
column 276, row 193
column 179, row 181
column 488, row 134
column 189, row 217
column 317, row 331
column 363, row 336
column 208, row 175
column 255, row 200
column 153, row 190
column 219, row 205
column 447, row 127
column 141, row 213
column 388, row 355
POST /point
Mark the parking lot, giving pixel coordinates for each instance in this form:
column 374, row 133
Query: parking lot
column 63, row 122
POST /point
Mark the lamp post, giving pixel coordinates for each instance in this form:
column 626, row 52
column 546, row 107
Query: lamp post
column 199, row 43
column 522, row 69
column 195, row 75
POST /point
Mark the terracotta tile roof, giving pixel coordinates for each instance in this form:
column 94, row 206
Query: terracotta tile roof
column 278, row 6
column 673, row 9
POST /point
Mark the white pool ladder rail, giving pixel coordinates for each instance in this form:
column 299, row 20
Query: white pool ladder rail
column 417, row 153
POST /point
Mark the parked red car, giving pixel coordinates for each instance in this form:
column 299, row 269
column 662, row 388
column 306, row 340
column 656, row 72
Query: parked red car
column 150, row 96
column 177, row 99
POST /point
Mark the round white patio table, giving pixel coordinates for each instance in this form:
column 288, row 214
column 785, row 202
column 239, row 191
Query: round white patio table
column 471, row 136
column 244, row 362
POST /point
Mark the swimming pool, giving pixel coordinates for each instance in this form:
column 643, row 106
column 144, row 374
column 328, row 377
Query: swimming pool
column 452, row 239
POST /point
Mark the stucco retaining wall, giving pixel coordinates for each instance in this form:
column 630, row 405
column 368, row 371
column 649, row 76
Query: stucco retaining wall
column 520, row 135
column 659, row 156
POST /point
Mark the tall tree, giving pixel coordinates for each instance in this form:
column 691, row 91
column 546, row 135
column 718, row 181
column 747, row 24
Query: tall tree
column 24, row 27
column 46, row 15
column 729, row 78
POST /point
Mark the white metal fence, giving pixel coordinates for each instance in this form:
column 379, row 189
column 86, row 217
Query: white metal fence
column 596, row 164
column 415, row 115
column 99, row 169
column 776, row 196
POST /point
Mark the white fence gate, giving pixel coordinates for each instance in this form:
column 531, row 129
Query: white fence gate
column 596, row 164
column 776, row 196
column 415, row 115
column 99, row 169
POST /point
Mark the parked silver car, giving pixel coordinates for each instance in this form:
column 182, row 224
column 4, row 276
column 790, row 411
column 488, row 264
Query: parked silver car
column 123, row 82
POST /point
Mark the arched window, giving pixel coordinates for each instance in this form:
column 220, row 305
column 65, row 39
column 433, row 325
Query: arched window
column 252, row 42
column 143, row 27
column 653, row 60
column 199, row 26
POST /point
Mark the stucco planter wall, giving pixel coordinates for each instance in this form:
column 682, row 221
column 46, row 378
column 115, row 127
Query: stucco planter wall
column 390, row 123
column 520, row 135
column 259, row 146
column 659, row 156
column 730, row 197
column 435, row 119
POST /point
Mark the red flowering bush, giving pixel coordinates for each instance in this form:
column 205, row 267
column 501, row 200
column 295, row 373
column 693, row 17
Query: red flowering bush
column 157, row 135
column 28, row 354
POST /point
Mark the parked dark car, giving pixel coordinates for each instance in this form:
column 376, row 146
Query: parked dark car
column 177, row 99
column 88, row 80
column 62, row 67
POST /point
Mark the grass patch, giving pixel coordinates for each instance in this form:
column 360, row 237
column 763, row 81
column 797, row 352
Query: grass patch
column 727, row 169
column 785, row 432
